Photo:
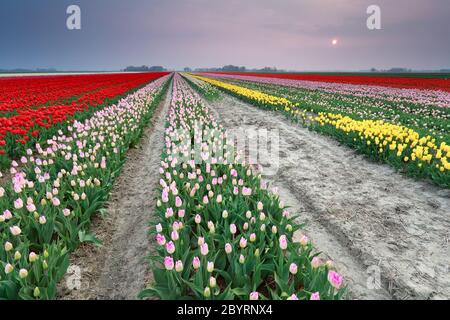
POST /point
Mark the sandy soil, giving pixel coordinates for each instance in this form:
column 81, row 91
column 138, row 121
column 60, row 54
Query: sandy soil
column 118, row 269
column 367, row 218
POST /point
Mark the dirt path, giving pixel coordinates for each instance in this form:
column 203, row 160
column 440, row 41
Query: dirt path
column 118, row 269
column 366, row 217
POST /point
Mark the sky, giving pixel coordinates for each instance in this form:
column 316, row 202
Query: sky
column 287, row 34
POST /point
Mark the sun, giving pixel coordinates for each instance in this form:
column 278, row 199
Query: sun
column 334, row 42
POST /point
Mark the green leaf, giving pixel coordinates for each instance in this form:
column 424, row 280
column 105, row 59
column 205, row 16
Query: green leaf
column 88, row 238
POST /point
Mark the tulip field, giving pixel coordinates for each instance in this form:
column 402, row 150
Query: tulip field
column 218, row 228
column 32, row 108
column 58, row 184
column 409, row 128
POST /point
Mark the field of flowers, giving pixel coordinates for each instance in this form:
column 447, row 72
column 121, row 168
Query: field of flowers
column 65, row 178
column 421, row 83
column 31, row 108
column 407, row 128
column 221, row 233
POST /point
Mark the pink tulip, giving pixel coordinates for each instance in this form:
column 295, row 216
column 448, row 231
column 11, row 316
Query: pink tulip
column 15, row 230
column 246, row 191
column 293, row 268
column 7, row 214
column 169, row 213
column 174, row 235
column 204, row 249
column 243, row 242
column 283, row 242
column 315, row 296
column 160, row 239
column 178, row 202
column 254, row 295
column 316, row 262
column 170, row 247
column 335, row 279
column 196, row 263
column 168, row 263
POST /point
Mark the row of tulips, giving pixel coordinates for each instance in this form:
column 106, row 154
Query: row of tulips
column 207, row 91
column 45, row 210
column 416, row 154
column 439, row 97
column 220, row 232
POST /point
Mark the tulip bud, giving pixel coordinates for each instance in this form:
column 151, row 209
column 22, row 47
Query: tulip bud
column 204, row 249
column 8, row 246
column 262, row 216
column 210, row 266
column 260, row 206
column 23, row 273
column 9, row 268
column 293, row 297
column 316, row 263
column 293, row 268
column 33, row 257
column 228, row 248
column 17, row 255
column 283, row 242
column 36, row 292
column 225, row 214
column 207, row 292
column 304, row 240
column 196, row 263
column 212, row 282
column 243, row 242
column 42, row 220
column 179, row 266
column 254, row 295
column 329, row 264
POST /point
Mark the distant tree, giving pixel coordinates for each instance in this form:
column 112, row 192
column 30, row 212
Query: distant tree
column 398, row 70
column 156, row 68
column 187, row 69
column 135, row 69
column 232, row 68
